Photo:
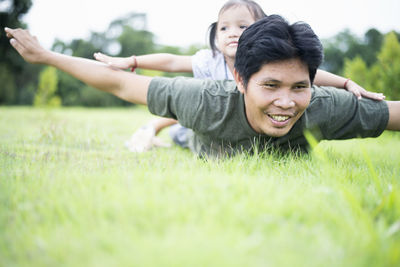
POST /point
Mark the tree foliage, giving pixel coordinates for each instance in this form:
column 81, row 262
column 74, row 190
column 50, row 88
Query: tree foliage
column 11, row 64
column 347, row 45
column 383, row 75
column 46, row 93
column 11, row 17
column 389, row 63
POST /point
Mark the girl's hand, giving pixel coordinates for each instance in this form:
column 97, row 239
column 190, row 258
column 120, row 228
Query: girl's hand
column 360, row 92
column 27, row 46
column 116, row 62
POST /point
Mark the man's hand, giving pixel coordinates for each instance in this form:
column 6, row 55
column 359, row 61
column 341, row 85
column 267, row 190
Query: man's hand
column 27, row 45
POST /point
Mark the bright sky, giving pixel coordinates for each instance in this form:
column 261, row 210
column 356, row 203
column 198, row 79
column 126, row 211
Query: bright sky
column 185, row 22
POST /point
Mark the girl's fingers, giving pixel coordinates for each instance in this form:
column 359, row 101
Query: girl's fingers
column 357, row 93
column 8, row 32
column 99, row 57
column 376, row 96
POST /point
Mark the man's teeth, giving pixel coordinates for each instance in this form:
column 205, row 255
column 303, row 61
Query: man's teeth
column 279, row 118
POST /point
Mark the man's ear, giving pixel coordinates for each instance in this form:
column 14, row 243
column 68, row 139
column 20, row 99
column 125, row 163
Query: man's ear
column 239, row 81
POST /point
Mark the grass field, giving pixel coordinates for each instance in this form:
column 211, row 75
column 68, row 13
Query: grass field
column 72, row 195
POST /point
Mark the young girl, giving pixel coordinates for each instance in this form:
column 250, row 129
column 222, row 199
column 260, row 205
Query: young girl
column 217, row 64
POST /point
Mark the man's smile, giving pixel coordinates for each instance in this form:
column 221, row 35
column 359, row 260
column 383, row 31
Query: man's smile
column 279, row 118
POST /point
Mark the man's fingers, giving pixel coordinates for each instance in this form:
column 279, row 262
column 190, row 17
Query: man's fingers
column 17, row 46
column 22, row 36
column 8, row 32
column 14, row 35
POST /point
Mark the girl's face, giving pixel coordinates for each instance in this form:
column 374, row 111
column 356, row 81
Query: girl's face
column 231, row 24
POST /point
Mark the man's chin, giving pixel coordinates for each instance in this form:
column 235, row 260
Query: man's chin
column 278, row 132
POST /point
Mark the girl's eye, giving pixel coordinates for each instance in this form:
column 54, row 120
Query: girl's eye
column 243, row 27
column 223, row 29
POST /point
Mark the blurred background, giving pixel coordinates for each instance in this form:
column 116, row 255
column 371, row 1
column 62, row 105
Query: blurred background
column 360, row 38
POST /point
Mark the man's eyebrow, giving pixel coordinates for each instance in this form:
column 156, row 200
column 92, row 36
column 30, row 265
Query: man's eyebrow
column 302, row 82
column 269, row 80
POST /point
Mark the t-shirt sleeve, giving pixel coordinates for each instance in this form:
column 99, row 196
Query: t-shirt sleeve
column 201, row 64
column 176, row 98
column 347, row 117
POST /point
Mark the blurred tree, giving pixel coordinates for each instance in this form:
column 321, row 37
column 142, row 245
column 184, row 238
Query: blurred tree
column 357, row 69
column 46, row 94
column 125, row 36
column 389, row 63
column 383, row 75
column 336, row 49
column 373, row 41
column 135, row 42
column 7, row 87
column 346, row 45
column 11, row 12
column 11, row 64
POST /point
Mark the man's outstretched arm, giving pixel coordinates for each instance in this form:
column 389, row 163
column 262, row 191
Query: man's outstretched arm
column 394, row 116
column 127, row 86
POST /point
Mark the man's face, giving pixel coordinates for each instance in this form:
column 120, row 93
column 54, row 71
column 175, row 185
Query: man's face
column 276, row 96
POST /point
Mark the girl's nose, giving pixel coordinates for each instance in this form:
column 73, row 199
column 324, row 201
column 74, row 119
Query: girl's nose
column 234, row 32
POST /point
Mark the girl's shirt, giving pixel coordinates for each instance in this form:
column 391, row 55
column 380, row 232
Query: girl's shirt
column 207, row 66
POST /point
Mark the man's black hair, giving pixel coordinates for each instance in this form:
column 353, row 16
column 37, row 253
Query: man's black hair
column 273, row 39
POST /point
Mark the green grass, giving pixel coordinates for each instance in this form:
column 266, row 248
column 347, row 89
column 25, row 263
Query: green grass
column 72, row 195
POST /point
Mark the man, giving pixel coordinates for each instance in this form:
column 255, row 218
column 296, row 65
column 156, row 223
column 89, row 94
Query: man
column 271, row 104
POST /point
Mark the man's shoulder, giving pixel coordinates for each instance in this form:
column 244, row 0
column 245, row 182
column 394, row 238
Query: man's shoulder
column 319, row 92
column 214, row 87
column 221, row 87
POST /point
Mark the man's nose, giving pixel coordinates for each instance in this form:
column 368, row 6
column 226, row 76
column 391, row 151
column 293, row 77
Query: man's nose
column 284, row 100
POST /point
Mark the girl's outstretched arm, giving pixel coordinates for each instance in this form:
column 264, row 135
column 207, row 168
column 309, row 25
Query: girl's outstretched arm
column 124, row 85
column 324, row 78
column 163, row 62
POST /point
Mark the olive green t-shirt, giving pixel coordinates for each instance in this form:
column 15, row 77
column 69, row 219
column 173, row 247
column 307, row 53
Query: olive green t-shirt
column 215, row 112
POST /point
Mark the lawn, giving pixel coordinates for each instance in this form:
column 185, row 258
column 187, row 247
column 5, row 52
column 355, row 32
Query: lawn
column 72, row 195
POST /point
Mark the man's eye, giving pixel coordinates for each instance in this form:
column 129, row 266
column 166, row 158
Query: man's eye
column 222, row 29
column 270, row 85
column 300, row 86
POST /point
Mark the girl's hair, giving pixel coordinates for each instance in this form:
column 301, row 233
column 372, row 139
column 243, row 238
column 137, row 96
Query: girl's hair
column 254, row 8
